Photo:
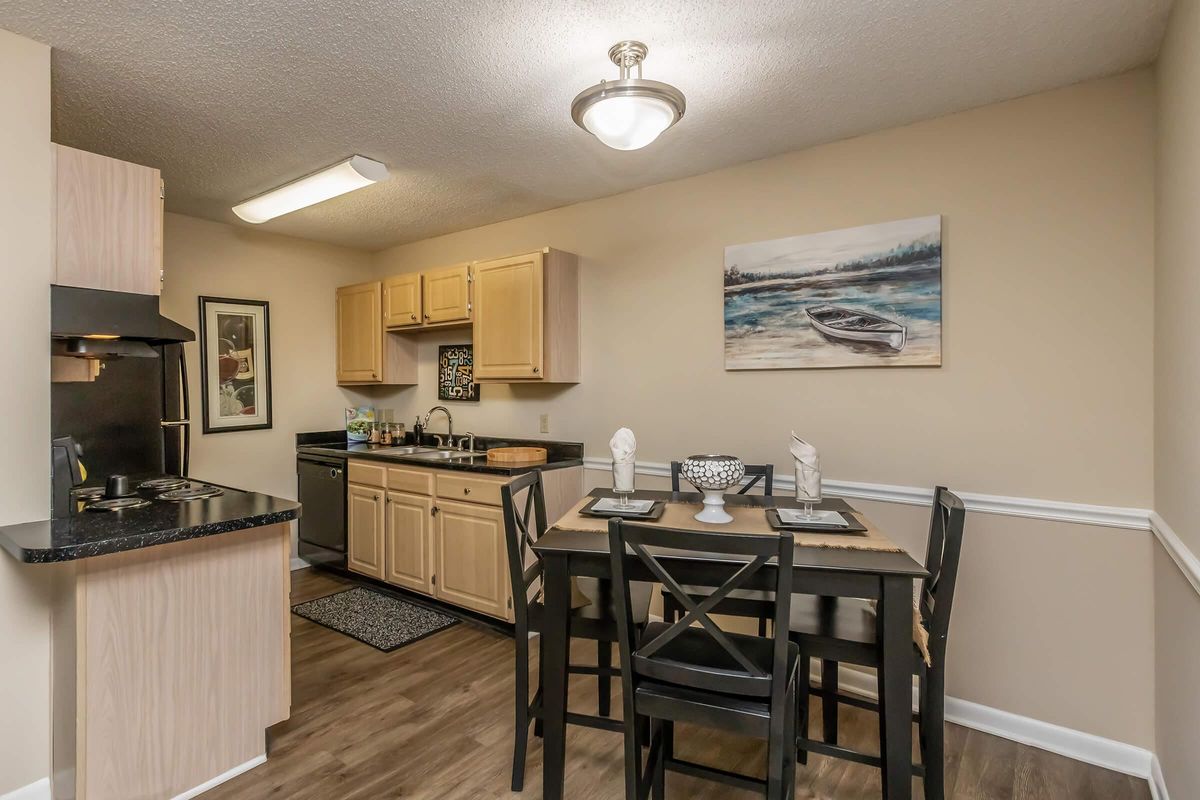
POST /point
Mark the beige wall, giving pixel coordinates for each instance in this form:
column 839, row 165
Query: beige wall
column 1177, row 395
column 1048, row 246
column 25, row 203
column 298, row 278
column 1048, row 242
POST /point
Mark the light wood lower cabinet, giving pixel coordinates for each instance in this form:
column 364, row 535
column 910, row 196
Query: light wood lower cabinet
column 471, row 557
column 410, row 541
column 440, row 532
column 365, row 525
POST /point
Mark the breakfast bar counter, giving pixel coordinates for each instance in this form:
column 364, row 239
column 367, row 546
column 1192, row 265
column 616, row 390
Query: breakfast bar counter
column 171, row 645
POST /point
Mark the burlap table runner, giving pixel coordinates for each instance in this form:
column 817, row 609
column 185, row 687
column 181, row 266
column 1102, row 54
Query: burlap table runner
column 746, row 519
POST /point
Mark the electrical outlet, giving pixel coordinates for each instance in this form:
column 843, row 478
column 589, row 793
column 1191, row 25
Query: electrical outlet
column 544, row 423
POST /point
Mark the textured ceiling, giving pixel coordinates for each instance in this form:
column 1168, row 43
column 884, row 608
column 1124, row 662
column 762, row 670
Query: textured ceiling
column 468, row 102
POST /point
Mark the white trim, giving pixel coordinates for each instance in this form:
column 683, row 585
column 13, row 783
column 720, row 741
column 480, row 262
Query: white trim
column 1158, row 784
column 299, row 563
column 38, row 790
column 1176, row 549
column 1078, row 745
column 1027, row 507
column 224, row 776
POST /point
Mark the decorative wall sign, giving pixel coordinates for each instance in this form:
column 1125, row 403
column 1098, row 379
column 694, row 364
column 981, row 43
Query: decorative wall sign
column 235, row 364
column 456, row 373
column 857, row 297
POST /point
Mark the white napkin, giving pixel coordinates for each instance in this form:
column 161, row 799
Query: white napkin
column 624, row 452
column 809, row 478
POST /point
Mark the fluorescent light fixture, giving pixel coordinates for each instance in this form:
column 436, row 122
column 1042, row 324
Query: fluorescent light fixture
column 346, row 176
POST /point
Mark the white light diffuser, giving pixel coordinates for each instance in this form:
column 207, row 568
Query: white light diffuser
column 346, row 176
column 628, row 123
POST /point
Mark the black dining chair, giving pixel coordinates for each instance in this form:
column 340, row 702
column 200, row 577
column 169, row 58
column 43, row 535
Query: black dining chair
column 676, row 672
column 596, row 621
column 843, row 631
column 764, row 473
column 757, row 473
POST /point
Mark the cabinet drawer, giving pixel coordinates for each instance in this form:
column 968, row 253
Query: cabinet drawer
column 454, row 486
column 409, row 480
column 368, row 474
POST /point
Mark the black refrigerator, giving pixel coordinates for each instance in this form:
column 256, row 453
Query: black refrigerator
column 132, row 419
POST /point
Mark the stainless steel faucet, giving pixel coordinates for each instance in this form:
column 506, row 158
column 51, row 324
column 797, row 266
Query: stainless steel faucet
column 449, row 421
column 469, row 438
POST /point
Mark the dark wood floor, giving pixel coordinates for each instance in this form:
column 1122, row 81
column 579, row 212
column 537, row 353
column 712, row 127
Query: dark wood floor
column 434, row 720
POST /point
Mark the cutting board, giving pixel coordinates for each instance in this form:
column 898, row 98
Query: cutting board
column 517, row 455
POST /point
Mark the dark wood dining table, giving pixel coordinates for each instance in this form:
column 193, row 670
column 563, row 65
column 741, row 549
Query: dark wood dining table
column 883, row 576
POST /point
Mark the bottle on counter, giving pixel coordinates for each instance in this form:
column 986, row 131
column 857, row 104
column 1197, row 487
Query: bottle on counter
column 385, row 438
column 374, row 436
column 418, row 430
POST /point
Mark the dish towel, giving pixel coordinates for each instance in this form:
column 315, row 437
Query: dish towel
column 808, row 468
column 624, row 453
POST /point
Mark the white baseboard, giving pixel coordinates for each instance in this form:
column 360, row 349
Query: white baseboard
column 38, row 790
column 224, row 776
column 1158, row 785
column 1028, row 507
column 1077, row 745
column 299, row 563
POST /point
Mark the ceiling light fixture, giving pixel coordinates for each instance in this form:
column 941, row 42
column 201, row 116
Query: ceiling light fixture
column 346, row 176
column 628, row 113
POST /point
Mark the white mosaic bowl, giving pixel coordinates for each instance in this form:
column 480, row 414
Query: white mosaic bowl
column 712, row 475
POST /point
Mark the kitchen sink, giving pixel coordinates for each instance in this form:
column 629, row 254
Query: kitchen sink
column 404, row 450
column 444, row 455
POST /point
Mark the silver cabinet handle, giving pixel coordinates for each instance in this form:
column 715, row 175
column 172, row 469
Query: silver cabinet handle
column 536, row 370
column 467, row 490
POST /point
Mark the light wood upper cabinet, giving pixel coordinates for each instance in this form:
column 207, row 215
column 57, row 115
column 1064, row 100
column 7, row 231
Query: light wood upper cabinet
column 409, row 541
column 447, row 294
column 402, row 301
column 109, row 223
column 471, row 557
column 365, row 524
column 366, row 353
column 360, row 333
column 526, row 318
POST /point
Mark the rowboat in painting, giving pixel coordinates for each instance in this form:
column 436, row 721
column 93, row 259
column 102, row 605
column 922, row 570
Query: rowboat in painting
column 857, row 326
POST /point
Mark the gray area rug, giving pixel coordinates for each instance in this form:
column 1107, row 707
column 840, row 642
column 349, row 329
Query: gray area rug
column 386, row 623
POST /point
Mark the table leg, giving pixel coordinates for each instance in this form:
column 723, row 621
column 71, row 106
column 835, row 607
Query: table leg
column 894, row 622
column 556, row 643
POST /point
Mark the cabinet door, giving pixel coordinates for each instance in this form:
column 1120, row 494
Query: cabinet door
column 508, row 318
column 364, row 530
column 409, row 540
column 402, row 301
column 108, row 228
column 447, row 294
column 360, row 333
column 471, row 557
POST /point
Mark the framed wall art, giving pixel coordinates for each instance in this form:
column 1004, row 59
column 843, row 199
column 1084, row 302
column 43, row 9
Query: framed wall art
column 456, row 373
column 235, row 364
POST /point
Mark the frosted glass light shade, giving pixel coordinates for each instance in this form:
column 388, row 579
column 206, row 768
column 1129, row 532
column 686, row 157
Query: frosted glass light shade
column 628, row 122
column 353, row 173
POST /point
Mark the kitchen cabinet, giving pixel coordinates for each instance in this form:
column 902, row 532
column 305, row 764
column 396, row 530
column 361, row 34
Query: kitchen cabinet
column 365, row 525
column 410, row 541
column 526, row 318
column 446, row 295
column 108, row 229
column 402, row 301
column 366, row 353
column 472, row 557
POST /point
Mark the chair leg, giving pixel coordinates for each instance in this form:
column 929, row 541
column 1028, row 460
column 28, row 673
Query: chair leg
column 803, row 696
column 604, row 661
column 762, row 626
column 633, row 753
column 829, row 703
column 521, row 729
column 933, row 733
column 789, row 739
column 537, row 723
column 778, row 743
column 659, row 784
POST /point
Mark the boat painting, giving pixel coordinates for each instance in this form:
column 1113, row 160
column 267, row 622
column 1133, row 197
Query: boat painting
column 857, row 326
column 857, row 297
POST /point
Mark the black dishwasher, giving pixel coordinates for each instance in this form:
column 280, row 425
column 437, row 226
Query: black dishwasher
column 322, row 526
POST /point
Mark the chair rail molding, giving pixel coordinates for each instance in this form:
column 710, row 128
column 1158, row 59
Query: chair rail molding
column 1179, row 552
column 1137, row 519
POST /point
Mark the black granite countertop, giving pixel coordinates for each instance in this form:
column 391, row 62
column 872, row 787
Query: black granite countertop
column 333, row 444
column 86, row 534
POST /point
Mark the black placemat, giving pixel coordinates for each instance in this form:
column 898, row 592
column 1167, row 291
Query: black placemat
column 853, row 526
column 652, row 514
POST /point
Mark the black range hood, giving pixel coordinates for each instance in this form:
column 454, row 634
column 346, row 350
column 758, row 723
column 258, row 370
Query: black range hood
column 101, row 324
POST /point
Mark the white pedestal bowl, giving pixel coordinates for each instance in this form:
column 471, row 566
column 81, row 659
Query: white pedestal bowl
column 712, row 475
